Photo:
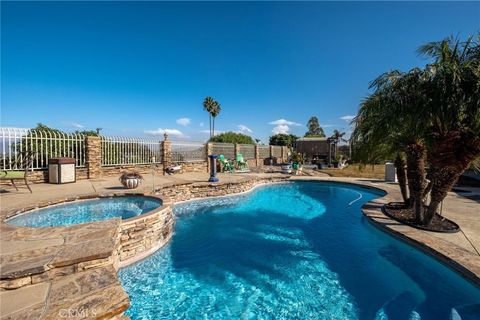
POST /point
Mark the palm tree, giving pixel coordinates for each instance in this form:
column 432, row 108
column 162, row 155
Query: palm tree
column 395, row 115
column 455, row 109
column 215, row 112
column 336, row 137
column 208, row 105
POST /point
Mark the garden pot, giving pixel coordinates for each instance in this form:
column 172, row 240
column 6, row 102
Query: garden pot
column 286, row 168
column 130, row 183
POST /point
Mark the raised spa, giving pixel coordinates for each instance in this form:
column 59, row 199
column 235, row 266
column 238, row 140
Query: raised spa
column 298, row 250
column 87, row 211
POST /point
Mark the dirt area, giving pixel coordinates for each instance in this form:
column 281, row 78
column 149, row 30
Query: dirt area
column 355, row 171
column 401, row 213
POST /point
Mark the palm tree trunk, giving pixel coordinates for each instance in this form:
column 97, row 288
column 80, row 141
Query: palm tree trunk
column 401, row 176
column 210, row 124
column 213, row 126
column 416, row 153
column 451, row 155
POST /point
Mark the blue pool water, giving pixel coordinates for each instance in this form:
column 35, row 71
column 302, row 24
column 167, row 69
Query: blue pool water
column 87, row 211
column 291, row 251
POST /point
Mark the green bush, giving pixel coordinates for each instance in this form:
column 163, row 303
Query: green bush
column 232, row 137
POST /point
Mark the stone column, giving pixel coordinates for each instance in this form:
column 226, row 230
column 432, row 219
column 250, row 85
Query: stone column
column 166, row 154
column 209, row 150
column 257, row 155
column 93, row 157
column 237, row 151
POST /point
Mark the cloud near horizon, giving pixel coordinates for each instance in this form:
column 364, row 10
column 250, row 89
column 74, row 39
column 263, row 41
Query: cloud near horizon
column 244, row 129
column 184, row 121
column 171, row 132
column 283, row 126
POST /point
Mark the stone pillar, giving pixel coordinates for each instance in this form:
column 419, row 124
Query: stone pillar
column 166, row 154
column 257, row 155
column 93, row 157
column 209, row 151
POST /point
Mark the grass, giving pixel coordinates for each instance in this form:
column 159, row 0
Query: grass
column 354, row 171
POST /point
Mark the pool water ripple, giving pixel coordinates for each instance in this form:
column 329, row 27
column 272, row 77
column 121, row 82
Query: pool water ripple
column 291, row 251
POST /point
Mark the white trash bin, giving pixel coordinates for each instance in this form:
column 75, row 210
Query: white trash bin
column 390, row 172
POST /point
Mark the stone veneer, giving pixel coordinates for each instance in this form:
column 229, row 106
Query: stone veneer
column 139, row 236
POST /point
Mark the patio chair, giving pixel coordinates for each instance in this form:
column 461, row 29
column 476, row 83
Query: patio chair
column 23, row 163
column 226, row 165
column 241, row 163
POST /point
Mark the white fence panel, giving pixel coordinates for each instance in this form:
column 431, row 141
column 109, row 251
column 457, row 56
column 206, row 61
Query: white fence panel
column 188, row 151
column 44, row 144
column 130, row 150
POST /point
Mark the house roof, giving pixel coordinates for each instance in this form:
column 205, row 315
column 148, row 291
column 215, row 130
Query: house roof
column 312, row 139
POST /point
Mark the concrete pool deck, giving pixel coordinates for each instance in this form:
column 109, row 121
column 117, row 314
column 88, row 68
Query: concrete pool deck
column 93, row 286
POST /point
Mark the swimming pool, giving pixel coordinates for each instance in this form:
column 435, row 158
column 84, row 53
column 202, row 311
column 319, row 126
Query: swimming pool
column 86, row 211
column 298, row 250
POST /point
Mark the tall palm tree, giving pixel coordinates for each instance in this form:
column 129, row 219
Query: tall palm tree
column 209, row 105
column 455, row 109
column 214, row 113
column 395, row 115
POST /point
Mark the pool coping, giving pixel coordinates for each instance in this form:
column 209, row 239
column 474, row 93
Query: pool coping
column 451, row 255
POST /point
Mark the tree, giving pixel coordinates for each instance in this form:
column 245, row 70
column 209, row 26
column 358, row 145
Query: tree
column 232, row 137
column 215, row 112
column 395, row 115
column 454, row 133
column 314, row 129
column 282, row 139
column 336, row 137
column 210, row 106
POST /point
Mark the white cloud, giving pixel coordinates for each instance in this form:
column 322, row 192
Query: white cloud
column 171, row 132
column 201, row 124
column 283, row 122
column 184, row 121
column 328, row 125
column 281, row 129
column 244, row 129
column 347, row 118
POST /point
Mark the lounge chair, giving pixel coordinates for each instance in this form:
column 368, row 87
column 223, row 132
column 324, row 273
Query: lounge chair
column 24, row 162
column 241, row 163
column 226, row 165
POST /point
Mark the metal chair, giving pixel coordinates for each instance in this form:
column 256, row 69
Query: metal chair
column 24, row 162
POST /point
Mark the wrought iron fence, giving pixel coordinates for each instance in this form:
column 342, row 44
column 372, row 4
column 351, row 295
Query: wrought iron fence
column 263, row 152
column 227, row 149
column 44, row 144
column 188, row 151
column 247, row 150
column 130, row 150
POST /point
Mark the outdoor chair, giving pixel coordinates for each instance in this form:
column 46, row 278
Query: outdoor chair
column 241, row 163
column 24, row 162
column 226, row 165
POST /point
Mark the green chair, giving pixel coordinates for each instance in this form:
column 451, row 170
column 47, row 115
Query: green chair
column 241, row 163
column 24, row 161
column 226, row 165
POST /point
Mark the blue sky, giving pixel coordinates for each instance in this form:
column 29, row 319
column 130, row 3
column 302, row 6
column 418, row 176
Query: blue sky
column 139, row 68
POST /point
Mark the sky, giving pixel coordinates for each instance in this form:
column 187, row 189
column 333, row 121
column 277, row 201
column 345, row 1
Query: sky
column 138, row 69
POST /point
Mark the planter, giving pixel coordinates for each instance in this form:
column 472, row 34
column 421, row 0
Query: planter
column 287, row 168
column 130, row 183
